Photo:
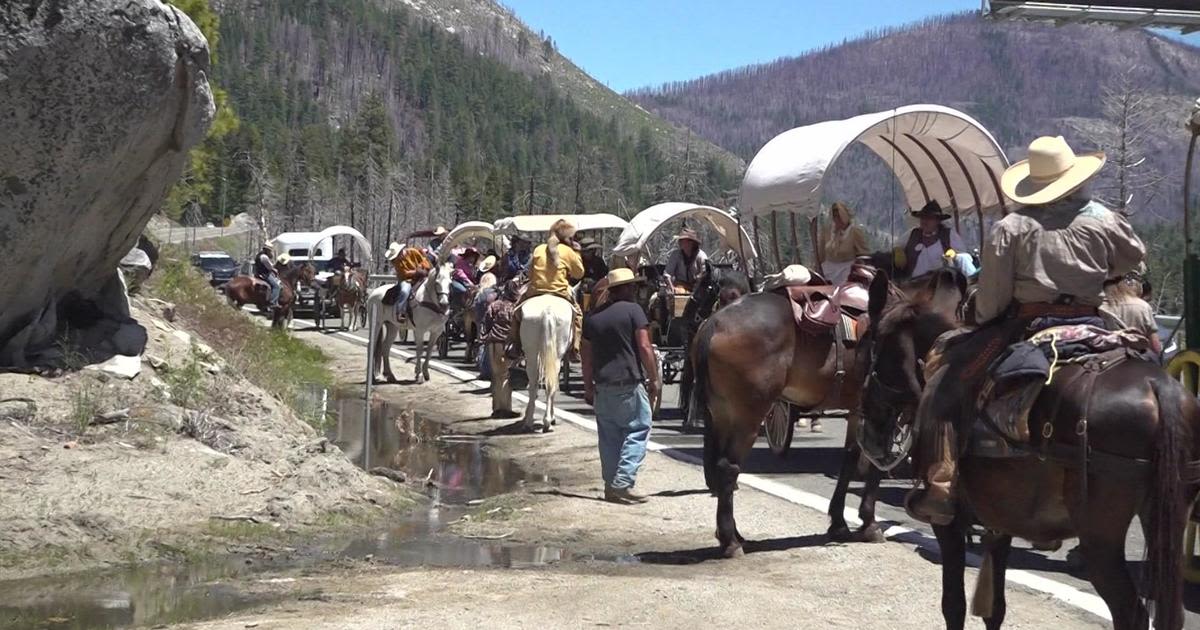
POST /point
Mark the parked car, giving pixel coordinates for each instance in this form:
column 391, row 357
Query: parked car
column 218, row 266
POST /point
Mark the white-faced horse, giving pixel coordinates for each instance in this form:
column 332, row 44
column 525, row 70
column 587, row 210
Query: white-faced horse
column 545, row 337
column 430, row 309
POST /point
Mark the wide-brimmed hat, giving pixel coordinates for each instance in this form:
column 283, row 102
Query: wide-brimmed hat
column 688, row 234
column 393, row 251
column 469, row 251
column 933, row 209
column 283, row 259
column 618, row 277
column 586, row 243
column 440, row 231
column 1052, row 172
column 269, row 246
column 487, row 264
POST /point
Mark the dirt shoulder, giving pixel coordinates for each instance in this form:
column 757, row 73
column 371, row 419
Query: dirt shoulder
column 653, row 564
column 186, row 458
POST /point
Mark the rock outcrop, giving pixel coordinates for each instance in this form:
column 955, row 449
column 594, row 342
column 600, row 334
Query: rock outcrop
column 100, row 101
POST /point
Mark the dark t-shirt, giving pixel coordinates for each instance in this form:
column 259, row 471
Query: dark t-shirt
column 612, row 333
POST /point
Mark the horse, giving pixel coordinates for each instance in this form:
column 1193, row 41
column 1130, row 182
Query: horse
column 717, row 287
column 429, row 314
column 546, row 337
column 1141, row 433
column 349, row 288
column 243, row 290
column 749, row 355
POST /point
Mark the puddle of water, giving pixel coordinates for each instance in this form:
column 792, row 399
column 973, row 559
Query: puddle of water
column 459, row 470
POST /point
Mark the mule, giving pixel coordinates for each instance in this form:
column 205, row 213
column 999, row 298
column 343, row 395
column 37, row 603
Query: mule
column 349, row 289
column 546, row 338
column 430, row 310
column 1141, row 433
column 243, row 290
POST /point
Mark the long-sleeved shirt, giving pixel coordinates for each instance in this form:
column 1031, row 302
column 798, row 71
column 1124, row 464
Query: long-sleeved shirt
column 545, row 277
column 682, row 271
column 409, row 262
column 516, row 262
column 497, row 321
column 842, row 246
column 464, row 271
column 1044, row 253
column 929, row 254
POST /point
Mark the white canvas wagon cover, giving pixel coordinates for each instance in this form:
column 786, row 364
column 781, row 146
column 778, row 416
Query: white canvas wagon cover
column 542, row 222
column 647, row 222
column 340, row 230
column 935, row 152
column 467, row 231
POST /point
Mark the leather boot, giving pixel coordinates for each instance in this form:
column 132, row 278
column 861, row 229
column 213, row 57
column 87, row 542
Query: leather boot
column 513, row 349
column 576, row 334
column 935, row 503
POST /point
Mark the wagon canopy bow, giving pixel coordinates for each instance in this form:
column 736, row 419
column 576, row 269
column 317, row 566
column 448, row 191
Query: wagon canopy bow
column 543, row 222
column 342, row 230
column 466, row 231
column 935, row 152
column 647, row 222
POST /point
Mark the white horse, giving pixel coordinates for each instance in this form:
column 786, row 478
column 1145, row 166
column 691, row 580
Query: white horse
column 430, row 310
column 546, row 337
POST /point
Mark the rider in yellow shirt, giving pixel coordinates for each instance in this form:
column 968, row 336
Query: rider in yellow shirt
column 554, row 265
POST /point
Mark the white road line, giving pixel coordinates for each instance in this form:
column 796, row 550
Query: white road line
column 1063, row 592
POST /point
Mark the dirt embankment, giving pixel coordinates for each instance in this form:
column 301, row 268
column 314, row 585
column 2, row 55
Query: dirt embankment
column 650, row 565
column 187, row 457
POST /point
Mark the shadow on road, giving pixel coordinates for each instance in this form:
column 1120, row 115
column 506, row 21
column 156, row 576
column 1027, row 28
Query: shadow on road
column 705, row 554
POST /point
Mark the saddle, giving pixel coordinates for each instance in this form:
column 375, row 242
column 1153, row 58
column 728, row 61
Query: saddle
column 1016, row 379
column 822, row 309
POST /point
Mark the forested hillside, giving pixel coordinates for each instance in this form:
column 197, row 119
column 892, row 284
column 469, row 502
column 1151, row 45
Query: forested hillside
column 362, row 112
column 1127, row 92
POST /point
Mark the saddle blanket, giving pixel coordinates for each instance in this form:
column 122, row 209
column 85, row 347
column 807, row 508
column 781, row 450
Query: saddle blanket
column 1016, row 378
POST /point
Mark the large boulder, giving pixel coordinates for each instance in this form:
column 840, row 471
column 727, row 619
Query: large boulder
column 100, row 101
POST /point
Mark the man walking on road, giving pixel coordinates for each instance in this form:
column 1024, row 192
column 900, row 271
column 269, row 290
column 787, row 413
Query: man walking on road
column 618, row 369
column 494, row 332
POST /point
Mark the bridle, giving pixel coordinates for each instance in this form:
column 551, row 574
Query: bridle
column 439, row 293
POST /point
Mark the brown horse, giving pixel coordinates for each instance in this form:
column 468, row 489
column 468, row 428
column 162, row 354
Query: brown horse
column 349, row 288
column 749, row 355
column 244, row 290
column 1140, row 433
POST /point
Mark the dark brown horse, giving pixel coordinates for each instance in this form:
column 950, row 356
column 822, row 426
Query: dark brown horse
column 244, row 290
column 749, row 355
column 716, row 288
column 1141, row 431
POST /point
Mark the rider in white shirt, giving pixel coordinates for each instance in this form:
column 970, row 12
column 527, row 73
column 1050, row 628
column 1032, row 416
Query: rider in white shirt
column 928, row 242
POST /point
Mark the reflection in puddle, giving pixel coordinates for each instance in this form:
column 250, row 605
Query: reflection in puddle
column 459, row 473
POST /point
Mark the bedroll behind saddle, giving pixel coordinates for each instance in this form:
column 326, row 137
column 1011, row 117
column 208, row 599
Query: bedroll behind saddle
column 1017, row 377
column 822, row 309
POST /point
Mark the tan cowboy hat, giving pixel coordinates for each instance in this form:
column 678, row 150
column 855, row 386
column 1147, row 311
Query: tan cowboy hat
column 688, row 234
column 440, row 231
column 283, row 259
column 269, row 245
column 393, row 251
column 1052, row 172
column 487, row 264
column 617, row 277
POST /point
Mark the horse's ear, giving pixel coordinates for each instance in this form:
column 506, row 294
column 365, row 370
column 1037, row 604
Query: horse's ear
column 877, row 295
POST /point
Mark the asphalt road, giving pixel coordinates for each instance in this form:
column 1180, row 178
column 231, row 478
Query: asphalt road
column 812, row 467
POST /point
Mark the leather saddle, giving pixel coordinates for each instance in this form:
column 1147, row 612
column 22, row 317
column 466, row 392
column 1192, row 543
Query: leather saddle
column 820, row 308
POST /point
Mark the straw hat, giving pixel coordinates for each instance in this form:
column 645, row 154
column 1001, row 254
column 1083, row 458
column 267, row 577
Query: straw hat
column 487, row 264
column 393, row 251
column 618, row 277
column 932, row 209
column 440, row 231
column 586, row 243
column 1052, row 172
column 269, row 246
column 283, row 259
column 688, row 234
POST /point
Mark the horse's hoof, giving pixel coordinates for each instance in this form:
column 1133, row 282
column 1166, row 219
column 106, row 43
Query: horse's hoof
column 839, row 533
column 554, row 421
column 872, row 533
column 546, row 429
column 733, row 551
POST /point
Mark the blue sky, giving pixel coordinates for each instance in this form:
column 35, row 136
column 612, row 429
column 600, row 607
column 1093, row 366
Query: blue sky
column 633, row 43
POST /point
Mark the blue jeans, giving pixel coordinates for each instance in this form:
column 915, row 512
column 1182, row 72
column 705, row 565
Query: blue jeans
column 623, row 424
column 276, row 287
column 402, row 298
column 965, row 264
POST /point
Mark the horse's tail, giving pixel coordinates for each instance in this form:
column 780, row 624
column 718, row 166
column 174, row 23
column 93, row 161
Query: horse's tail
column 1167, row 508
column 699, row 406
column 550, row 356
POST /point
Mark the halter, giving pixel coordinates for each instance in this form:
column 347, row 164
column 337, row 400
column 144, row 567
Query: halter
column 436, row 307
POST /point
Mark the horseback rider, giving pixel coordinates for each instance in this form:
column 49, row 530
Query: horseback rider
column 264, row 269
column 928, row 243
column 554, row 265
column 686, row 262
column 1044, row 264
column 516, row 261
column 339, row 262
column 411, row 267
column 435, row 243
